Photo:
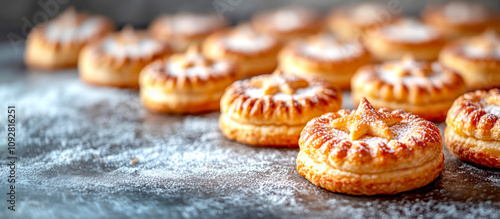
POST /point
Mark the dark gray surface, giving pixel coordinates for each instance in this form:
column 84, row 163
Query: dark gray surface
column 76, row 144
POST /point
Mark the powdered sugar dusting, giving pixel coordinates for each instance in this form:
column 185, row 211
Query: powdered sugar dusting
column 56, row 32
column 328, row 49
column 144, row 47
column 462, row 11
column 436, row 77
column 367, row 12
column 298, row 94
column 76, row 144
column 192, row 23
column 409, row 30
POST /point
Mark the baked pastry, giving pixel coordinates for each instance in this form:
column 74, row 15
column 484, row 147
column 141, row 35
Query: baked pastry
column 477, row 59
column 185, row 83
column 272, row 110
column 324, row 57
column 370, row 152
column 288, row 23
column 423, row 88
column 118, row 59
column 355, row 20
column 254, row 53
column 459, row 18
column 393, row 41
column 185, row 29
column 57, row 43
column 473, row 128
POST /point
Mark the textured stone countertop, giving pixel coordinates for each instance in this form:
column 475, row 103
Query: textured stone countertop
column 77, row 143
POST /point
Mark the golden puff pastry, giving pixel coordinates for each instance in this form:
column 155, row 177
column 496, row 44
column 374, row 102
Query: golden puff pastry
column 473, row 128
column 459, row 18
column 324, row 57
column 393, row 41
column 355, row 20
column 288, row 24
column 185, row 83
column 118, row 59
column 272, row 110
column 423, row 88
column 254, row 53
column 477, row 59
column 370, row 152
column 185, row 29
column 57, row 43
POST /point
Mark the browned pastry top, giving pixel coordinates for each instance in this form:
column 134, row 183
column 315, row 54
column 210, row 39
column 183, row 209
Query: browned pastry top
column 244, row 41
column 72, row 28
column 279, row 99
column 477, row 114
column 287, row 21
column 187, row 25
column 366, row 14
column 129, row 45
column 325, row 49
column 459, row 13
column 409, row 31
column 481, row 48
column 188, row 70
column 370, row 141
column 410, row 81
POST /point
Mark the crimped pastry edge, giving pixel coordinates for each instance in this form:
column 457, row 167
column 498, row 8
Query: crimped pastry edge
column 386, row 183
column 470, row 149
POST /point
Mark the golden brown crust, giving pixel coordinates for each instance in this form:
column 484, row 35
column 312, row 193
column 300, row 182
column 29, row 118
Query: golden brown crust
column 256, row 58
column 257, row 110
column 185, row 29
column 368, row 184
column 44, row 53
column 425, row 89
column 185, row 83
column 338, row 69
column 461, row 25
column 473, row 128
column 479, row 72
column 368, row 152
column 468, row 115
column 471, row 149
column 105, row 65
column 353, row 21
column 406, row 36
column 287, row 24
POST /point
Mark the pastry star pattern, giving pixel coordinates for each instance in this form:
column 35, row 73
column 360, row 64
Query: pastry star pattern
column 410, row 67
column 367, row 121
column 282, row 83
column 487, row 42
column 194, row 57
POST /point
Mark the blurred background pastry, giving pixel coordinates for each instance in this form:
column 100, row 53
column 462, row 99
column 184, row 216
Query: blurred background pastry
column 476, row 58
column 353, row 20
column 117, row 59
column 406, row 36
column 457, row 19
column 253, row 52
column 57, row 43
column 288, row 23
column 426, row 89
column 185, row 29
column 323, row 56
column 186, row 83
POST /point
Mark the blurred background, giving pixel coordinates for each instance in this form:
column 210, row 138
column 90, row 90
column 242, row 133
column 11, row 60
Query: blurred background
column 17, row 17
